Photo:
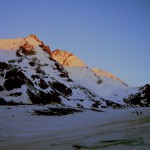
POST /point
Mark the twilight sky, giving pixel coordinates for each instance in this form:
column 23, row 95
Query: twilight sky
column 113, row 35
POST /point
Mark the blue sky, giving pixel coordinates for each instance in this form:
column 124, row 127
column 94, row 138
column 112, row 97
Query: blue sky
column 113, row 35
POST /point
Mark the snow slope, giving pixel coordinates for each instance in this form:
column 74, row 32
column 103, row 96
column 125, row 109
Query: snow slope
column 102, row 73
column 103, row 84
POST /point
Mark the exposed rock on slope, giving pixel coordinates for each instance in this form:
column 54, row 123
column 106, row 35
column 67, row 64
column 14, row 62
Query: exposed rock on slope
column 77, row 69
column 141, row 98
column 67, row 59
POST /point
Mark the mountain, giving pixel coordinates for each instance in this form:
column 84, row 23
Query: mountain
column 103, row 84
column 30, row 73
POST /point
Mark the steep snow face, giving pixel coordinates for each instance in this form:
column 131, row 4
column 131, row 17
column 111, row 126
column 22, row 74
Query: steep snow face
column 100, row 73
column 76, row 68
column 112, row 87
column 81, row 74
column 67, row 59
column 83, row 77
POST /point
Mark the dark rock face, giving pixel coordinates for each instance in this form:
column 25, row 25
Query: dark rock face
column 61, row 88
column 39, row 70
column 113, row 104
column 55, row 111
column 16, row 94
column 61, row 69
column 146, row 90
column 142, row 98
column 32, row 63
column 43, row 97
column 35, row 77
column 2, row 101
column 4, row 66
column 13, row 83
column 63, row 75
column 14, row 79
column 46, row 48
column 14, row 74
column 1, row 88
column 12, row 103
column 96, row 104
column 43, row 84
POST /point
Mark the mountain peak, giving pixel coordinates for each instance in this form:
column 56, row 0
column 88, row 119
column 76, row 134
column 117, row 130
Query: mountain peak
column 27, row 44
column 67, row 59
column 34, row 37
column 16, row 43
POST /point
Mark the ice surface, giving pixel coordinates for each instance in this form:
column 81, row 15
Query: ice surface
column 112, row 129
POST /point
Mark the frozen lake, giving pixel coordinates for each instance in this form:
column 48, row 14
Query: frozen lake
column 125, row 129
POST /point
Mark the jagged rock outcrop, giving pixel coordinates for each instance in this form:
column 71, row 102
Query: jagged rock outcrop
column 141, row 98
column 67, row 59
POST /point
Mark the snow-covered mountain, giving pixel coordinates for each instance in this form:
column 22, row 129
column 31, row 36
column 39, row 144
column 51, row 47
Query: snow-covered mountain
column 104, row 84
column 30, row 73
